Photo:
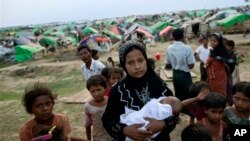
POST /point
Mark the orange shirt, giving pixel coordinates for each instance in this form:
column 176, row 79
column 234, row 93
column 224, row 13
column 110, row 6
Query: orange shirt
column 30, row 128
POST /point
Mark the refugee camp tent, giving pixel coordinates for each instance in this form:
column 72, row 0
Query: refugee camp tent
column 144, row 32
column 89, row 30
column 134, row 27
column 25, row 53
column 97, row 42
column 48, row 41
column 6, row 54
column 158, row 27
column 112, row 35
column 130, row 20
column 233, row 19
column 116, row 30
column 166, row 31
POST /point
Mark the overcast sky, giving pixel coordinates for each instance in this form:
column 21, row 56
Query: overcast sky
column 25, row 12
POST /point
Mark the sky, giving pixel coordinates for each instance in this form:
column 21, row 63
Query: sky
column 26, row 12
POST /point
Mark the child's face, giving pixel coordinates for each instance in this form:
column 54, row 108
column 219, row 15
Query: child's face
column 85, row 55
column 97, row 92
column 214, row 115
column 42, row 107
column 241, row 102
column 114, row 78
column 229, row 49
column 205, row 42
column 213, row 42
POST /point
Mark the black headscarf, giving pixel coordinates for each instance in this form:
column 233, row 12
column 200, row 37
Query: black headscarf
column 134, row 93
column 151, row 79
column 221, row 54
column 220, row 50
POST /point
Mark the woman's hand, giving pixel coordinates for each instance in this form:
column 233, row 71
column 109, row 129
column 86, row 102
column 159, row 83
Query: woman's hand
column 155, row 125
column 133, row 132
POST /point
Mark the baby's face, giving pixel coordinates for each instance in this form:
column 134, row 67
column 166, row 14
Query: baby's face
column 166, row 100
column 174, row 103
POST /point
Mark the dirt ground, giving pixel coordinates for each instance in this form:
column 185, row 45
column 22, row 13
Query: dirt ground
column 69, row 61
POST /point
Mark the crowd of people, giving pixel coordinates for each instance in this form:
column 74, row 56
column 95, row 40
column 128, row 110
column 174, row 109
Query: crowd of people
column 132, row 102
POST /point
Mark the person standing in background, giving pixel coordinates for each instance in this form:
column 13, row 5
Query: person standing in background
column 201, row 54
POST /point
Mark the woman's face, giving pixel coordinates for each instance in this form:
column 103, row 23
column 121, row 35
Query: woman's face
column 42, row 107
column 136, row 64
column 213, row 42
column 241, row 102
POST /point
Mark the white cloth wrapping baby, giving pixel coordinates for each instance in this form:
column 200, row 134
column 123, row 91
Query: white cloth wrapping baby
column 153, row 109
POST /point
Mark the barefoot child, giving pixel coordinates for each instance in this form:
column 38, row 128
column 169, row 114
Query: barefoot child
column 214, row 104
column 39, row 101
column 95, row 108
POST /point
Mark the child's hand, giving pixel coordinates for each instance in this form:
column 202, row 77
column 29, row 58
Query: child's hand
column 202, row 94
column 154, row 125
column 133, row 132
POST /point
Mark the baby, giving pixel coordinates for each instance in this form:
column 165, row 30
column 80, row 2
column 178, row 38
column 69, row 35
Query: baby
column 158, row 109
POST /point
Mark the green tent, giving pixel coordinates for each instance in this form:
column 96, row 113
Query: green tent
column 112, row 35
column 200, row 13
column 25, row 53
column 158, row 27
column 89, row 30
column 231, row 20
column 71, row 40
column 48, row 41
column 110, row 22
column 130, row 20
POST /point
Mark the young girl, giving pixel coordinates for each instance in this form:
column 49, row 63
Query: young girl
column 114, row 75
column 198, row 91
column 39, row 101
column 95, row 108
column 239, row 113
column 214, row 104
column 217, row 75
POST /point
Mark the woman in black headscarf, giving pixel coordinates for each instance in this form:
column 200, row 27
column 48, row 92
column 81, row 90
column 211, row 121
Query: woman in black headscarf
column 218, row 65
column 140, row 85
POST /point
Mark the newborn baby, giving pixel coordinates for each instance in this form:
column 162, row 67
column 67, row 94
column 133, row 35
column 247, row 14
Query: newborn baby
column 158, row 109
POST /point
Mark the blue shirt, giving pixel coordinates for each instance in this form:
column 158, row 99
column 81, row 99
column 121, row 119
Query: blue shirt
column 180, row 55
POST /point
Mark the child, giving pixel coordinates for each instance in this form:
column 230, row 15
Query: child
column 195, row 133
column 214, row 104
column 239, row 113
column 110, row 62
column 158, row 109
column 95, row 108
column 152, row 64
column 39, row 101
column 235, row 73
column 201, row 54
column 198, row 91
column 114, row 76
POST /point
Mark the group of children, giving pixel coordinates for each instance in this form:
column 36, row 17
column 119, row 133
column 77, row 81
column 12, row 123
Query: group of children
column 207, row 107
